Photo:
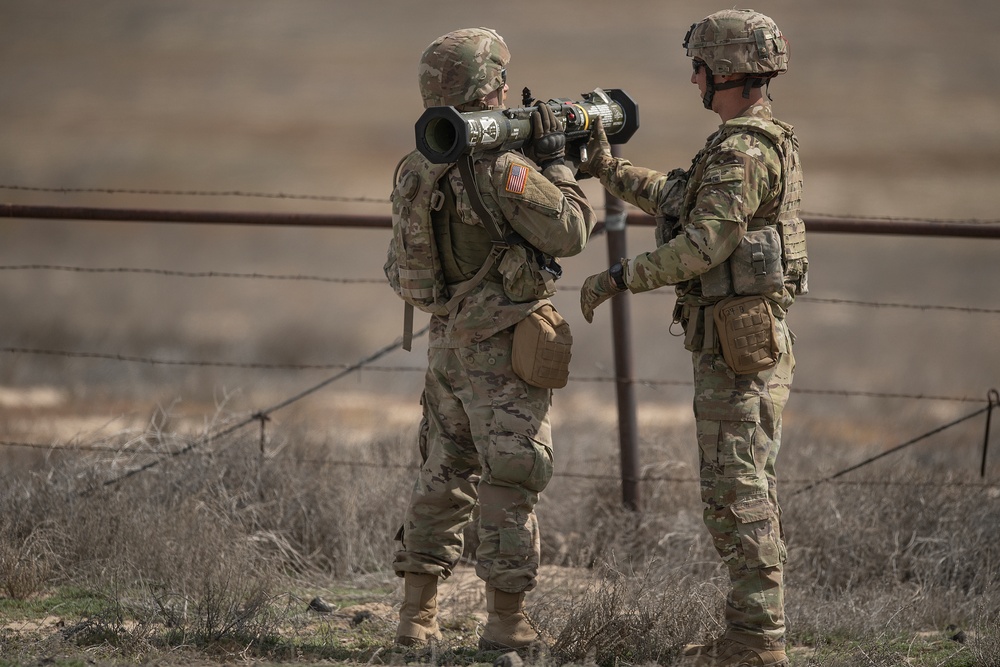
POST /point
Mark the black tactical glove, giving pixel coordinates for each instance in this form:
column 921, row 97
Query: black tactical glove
column 548, row 141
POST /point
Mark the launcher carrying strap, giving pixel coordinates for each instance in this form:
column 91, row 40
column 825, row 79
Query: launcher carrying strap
column 476, row 198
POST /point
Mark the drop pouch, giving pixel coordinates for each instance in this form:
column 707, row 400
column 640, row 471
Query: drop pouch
column 747, row 333
column 541, row 353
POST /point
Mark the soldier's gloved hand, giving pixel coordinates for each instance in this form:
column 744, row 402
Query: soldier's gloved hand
column 573, row 159
column 600, row 287
column 548, row 141
column 598, row 151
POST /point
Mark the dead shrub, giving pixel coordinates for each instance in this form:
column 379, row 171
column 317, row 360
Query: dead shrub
column 626, row 617
column 984, row 640
column 27, row 557
column 198, row 544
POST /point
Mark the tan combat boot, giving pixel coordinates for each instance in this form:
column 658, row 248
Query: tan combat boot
column 728, row 653
column 418, row 613
column 507, row 627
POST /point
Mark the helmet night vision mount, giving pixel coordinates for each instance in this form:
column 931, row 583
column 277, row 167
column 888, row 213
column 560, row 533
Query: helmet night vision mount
column 444, row 134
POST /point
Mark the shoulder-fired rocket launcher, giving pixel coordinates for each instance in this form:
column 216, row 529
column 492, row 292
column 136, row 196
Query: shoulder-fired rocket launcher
column 444, row 134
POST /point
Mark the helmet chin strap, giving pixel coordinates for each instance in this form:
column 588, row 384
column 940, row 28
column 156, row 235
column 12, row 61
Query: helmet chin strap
column 711, row 86
column 747, row 83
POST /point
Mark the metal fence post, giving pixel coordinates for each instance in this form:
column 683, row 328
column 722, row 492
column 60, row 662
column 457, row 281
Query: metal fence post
column 994, row 401
column 621, row 331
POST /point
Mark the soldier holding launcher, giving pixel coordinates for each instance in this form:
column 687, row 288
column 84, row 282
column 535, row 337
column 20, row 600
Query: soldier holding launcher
column 731, row 240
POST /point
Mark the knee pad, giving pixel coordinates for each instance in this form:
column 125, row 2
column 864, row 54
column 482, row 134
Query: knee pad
column 513, row 459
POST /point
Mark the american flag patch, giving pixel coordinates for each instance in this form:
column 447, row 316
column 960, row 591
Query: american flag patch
column 517, row 178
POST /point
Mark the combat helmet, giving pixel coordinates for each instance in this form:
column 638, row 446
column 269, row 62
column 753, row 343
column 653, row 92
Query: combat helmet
column 462, row 66
column 737, row 41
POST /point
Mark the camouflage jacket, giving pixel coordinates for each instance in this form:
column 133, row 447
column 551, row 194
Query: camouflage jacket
column 549, row 211
column 736, row 180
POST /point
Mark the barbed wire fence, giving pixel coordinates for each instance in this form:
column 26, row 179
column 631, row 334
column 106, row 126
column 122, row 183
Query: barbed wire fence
column 262, row 416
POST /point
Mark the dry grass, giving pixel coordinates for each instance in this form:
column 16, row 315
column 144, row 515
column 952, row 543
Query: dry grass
column 217, row 552
column 213, row 556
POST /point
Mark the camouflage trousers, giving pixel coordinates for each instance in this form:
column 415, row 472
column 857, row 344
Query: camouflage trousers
column 738, row 421
column 486, row 446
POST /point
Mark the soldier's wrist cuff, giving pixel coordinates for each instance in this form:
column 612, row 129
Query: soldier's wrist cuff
column 617, row 274
column 602, row 165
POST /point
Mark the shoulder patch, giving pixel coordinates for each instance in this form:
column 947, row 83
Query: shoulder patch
column 517, row 178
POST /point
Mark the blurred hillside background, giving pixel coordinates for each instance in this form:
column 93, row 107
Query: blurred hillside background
column 895, row 102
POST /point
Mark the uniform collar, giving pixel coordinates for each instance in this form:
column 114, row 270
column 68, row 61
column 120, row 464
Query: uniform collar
column 760, row 109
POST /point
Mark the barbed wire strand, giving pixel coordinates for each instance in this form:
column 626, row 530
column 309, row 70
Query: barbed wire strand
column 893, row 450
column 176, row 362
column 384, row 200
column 383, row 281
column 651, row 383
column 75, row 447
column 566, row 475
column 911, row 306
column 189, row 274
column 263, row 415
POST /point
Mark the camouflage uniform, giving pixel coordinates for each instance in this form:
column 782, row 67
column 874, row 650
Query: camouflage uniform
column 747, row 177
column 485, row 439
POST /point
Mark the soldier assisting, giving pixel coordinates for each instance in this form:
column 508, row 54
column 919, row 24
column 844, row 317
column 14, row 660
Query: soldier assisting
column 485, row 438
column 731, row 240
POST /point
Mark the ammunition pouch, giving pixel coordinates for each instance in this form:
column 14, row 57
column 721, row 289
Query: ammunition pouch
column 542, row 348
column 747, row 333
column 754, row 267
column 717, row 281
column 523, row 278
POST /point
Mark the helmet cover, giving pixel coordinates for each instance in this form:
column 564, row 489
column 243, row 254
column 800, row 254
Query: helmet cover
column 738, row 41
column 462, row 66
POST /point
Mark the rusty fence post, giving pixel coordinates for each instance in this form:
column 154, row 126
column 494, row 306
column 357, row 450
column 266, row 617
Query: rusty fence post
column 994, row 401
column 621, row 331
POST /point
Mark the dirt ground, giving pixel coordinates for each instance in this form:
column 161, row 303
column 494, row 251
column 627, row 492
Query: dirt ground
column 895, row 103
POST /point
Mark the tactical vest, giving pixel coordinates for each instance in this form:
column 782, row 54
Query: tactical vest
column 432, row 251
column 463, row 243
column 475, row 227
column 772, row 255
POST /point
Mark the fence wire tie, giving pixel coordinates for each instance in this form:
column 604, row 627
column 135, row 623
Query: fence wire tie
column 993, row 399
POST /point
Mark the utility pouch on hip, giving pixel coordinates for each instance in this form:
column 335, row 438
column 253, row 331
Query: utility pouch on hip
column 747, row 333
column 754, row 267
column 541, row 353
column 756, row 262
